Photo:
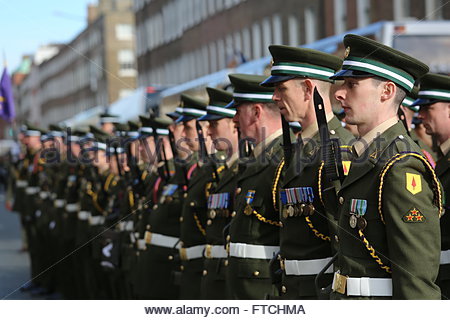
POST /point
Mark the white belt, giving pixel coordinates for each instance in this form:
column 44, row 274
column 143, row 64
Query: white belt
column 32, row 190
column 191, row 253
column 141, row 244
column 72, row 207
column 21, row 183
column 215, row 252
column 445, row 257
column 59, row 203
column 252, row 251
column 126, row 225
column 44, row 194
column 96, row 220
column 160, row 240
column 369, row 287
column 84, row 215
column 306, row 267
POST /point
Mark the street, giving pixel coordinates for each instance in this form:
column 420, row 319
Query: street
column 14, row 264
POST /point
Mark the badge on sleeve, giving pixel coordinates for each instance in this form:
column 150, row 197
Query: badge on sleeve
column 413, row 216
column 413, row 183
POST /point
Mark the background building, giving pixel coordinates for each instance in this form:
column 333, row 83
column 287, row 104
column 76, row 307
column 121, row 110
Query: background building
column 96, row 68
column 180, row 40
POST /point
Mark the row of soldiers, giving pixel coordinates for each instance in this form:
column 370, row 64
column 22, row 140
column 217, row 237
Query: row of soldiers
column 230, row 199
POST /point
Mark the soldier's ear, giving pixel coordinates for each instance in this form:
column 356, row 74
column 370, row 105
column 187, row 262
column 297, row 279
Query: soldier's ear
column 308, row 88
column 389, row 91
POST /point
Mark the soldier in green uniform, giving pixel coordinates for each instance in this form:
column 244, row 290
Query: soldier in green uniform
column 434, row 102
column 74, row 173
column 305, row 238
column 193, row 216
column 107, row 122
column 390, row 202
column 224, row 136
column 163, row 223
column 409, row 111
column 253, row 238
column 34, row 167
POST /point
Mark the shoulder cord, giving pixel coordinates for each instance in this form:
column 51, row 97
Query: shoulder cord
column 275, row 183
column 387, row 167
column 199, row 224
column 265, row 220
column 398, row 157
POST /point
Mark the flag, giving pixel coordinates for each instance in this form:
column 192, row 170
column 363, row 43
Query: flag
column 7, row 110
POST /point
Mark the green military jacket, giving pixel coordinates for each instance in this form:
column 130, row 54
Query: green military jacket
column 306, row 234
column 256, row 223
column 443, row 173
column 392, row 191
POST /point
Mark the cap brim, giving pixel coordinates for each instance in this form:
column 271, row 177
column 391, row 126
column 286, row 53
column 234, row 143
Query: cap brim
column 423, row 102
column 233, row 104
column 350, row 73
column 173, row 115
column 184, row 119
column 208, row 117
column 273, row 80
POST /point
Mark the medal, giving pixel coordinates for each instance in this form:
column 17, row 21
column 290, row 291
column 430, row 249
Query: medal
column 248, row 210
column 362, row 223
column 290, row 210
column 353, row 221
column 284, row 212
column 212, row 214
column 249, row 199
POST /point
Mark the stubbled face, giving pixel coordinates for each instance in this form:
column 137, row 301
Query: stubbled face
column 223, row 133
column 436, row 118
column 190, row 135
column 290, row 99
column 358, row 97
column 246, row 120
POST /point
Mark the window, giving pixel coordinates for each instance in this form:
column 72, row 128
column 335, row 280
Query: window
column 363, row 9
column 277, row 33
column 434, row 9
column 340, row 19
column 401, row 9
column 267, row 35
column 310, row 25
column 246, row 44
column 126, row 63
column 124, row 32
column 293, row 31
column 256, row 40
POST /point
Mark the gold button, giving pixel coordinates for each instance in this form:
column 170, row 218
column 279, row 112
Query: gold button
column 205, row 272
column 181, row 219
column 283, row 289
column 146, row 206
column 332, row 132
column 225, row 263
column 341, row 200
column 209, row 222
column 137, row 253
column 228, row 237
column 185, row 195
column 155, row 207
column 182, row 268
column 233, row 214
column 336, row 238
column 170, row 257
column 256, row 273
column 148, row 227
column 238, row 190
column 192, row 204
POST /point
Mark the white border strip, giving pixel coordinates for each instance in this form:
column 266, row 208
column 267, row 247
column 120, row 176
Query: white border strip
column 379, row 69
column 230, row 112
column 193, row 111
column 303, row 69
column 434, row 93
column 253, row 95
